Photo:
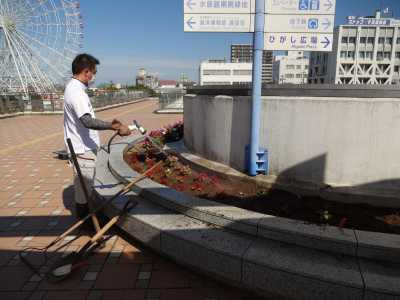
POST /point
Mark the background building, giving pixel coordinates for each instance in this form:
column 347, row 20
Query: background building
column 291, row 68
column 365, row 51
column 243, row 53
column 168, row 84
column 147, row 80
column 220, row 72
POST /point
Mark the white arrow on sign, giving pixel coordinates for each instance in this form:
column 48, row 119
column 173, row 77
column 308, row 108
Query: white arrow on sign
column 299, row 23
column 329, row 4
column 298, row 41
column 219, row 7
column 315, row 7
column 219, row 23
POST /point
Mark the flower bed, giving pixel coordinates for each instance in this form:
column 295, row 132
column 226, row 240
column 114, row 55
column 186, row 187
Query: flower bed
column 181, row 177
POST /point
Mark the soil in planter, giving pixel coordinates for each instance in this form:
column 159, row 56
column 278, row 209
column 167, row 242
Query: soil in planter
column 181, row 177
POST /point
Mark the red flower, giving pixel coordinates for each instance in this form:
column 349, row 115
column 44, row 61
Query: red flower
column 179, row 187
column 342, row 223
column 196, row 187
column 214, row 179
column 149, row 162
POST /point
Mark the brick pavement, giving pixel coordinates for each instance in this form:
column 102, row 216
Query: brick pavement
column 36, row 205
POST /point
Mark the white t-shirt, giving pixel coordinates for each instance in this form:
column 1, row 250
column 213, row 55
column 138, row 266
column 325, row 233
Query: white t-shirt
column 77, row 104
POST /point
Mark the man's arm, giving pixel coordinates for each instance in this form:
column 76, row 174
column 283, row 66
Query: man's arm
column 95, row 124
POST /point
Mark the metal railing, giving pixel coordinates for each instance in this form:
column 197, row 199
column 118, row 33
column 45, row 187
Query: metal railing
column 118, row 97
column 11, row 104
column 17, row 103
column 171, row 99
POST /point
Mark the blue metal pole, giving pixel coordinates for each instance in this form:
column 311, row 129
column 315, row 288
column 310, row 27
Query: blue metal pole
column 258, row 48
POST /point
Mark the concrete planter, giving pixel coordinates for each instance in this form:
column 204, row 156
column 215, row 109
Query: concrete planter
column 269, row 255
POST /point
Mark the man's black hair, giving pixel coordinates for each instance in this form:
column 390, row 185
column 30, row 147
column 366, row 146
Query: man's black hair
column 82, row 62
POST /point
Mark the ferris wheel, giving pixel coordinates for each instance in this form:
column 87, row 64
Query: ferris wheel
column 38, row 41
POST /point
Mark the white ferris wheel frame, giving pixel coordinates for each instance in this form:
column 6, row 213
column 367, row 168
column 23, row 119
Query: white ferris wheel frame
column 38, row 41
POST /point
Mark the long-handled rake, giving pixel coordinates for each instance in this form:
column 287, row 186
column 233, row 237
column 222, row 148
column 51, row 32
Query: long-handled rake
column 94, row 240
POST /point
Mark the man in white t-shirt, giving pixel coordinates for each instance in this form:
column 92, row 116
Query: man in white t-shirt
column 81, row 126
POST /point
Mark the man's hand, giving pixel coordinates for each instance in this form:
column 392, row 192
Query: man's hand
column 116, row 124
column 124, row 130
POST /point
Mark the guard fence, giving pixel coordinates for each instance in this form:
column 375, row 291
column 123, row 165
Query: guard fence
column 18, row 103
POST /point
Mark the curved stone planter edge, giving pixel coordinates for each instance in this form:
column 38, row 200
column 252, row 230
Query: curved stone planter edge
column 379, row 246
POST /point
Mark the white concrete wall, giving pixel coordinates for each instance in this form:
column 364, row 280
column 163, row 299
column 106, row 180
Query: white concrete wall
column 337, row 141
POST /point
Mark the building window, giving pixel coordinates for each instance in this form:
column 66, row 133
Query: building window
column 387, row 55
column 379, row 56
column 216, row 83
column 241, row 72
column 362, row 54
column 398, row 41
column 381, row 40
column 350, row 54
column 371, row 40
column 369, row 54
column 343, row 54
column 352, row 40
column 345, row 39
column 299, row 76
column 396, row 69
column 397, row 55
column 363, row 40
column 298, row 67
column 289, row 76
column 290, row 67
column 389, row 40
column 216, row 72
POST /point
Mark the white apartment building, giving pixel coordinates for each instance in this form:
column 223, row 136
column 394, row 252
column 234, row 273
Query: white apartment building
column 220, row 72
column 366, row 51
column 291, row 68
column 243, row 53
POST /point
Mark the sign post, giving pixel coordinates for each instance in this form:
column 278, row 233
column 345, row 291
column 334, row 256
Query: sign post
column 257, row 160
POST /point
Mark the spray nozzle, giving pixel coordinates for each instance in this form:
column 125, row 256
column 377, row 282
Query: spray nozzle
column 137, row 126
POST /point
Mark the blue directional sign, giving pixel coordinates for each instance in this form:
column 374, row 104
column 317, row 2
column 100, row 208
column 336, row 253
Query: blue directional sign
column 219, row 15
column 300, row 7
column 305, row 25
column 298, row 41
column 219, row 6
column 299, row 23
column 219, row 23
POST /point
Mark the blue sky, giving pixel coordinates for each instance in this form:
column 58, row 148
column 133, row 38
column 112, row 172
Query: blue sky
column 128, row 34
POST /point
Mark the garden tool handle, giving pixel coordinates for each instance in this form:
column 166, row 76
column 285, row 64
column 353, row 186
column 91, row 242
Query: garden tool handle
column 130, row 185
column 82, row 182
column 71, row 229
column 102, row 231
column 127, row 207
